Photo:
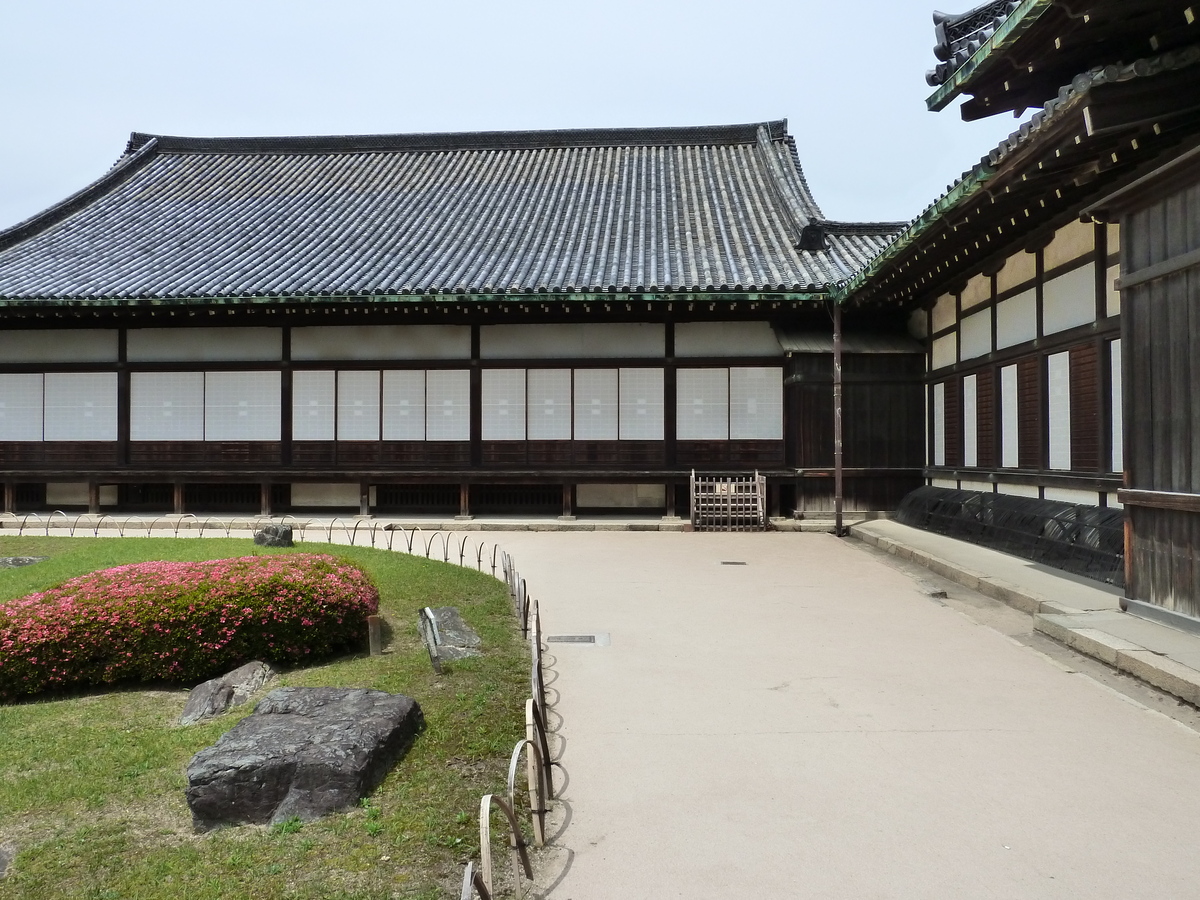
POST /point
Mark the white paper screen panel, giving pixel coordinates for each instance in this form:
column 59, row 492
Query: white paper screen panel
column 1118, row 412
column 242, row 406
column 68, row 345
column 641, row 402
column 573, row 341
column 358, row 406
column 944, row 351
column 204, row 344
column 166, row 406
column 975, row 335
column 1016, row 320
column 1008, row 417
column 81, row 406
column 970, row 421
column 1069, row 300
column 314, row 396
column 20, row 407
column 1058, row 370
column 335, row 342
column 549, row 406
column 726, row 339
column 756, row 403
column 939, row 424
column 503, row 405
column 702, row 405
column 448, row 405
column 595, row 404
column 404, row 405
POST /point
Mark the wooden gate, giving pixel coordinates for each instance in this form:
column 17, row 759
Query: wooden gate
column 729, row 502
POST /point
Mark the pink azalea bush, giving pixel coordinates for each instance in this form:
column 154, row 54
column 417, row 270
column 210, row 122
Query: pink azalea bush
column 182, row 621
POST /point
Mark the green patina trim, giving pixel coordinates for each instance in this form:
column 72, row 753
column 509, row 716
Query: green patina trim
column 1018, row 22
column 961, row 192
column 412, row 299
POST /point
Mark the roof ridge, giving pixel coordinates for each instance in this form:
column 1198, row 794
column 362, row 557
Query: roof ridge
column 468, row 140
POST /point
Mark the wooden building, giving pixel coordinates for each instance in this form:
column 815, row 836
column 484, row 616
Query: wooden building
column 453, row 323
column 1052, row 283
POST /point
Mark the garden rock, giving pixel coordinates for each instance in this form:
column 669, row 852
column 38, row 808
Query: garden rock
column 217, row 695
column 274, row 536
column 16, row 562
column 304, row 752
column 455, row 638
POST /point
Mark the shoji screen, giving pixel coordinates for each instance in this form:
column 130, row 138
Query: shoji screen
column 1009, row 457
column 756, row 403
column 313, row 402
column 81, row 406
column 1118, row 417
column 503, row 404
column 641, row 404
column 20, row 407
column 241, row 406
column 702, row 410
column 358, row 406
column 448, row 405
column 166, row 406
column 1058, row 368
column 596, row 405
column 549, row 404
column 404, row 405
column 939, row 424
column 970, row 421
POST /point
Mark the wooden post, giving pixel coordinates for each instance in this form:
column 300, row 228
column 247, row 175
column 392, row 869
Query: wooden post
column 671, row 514
column 264, row 498
column 464, row 501
column 375, row 634
column 364, row 498
column 837, row 418
column 93, row 497
column 10, row 497
column 178, row 498
column 568, row 507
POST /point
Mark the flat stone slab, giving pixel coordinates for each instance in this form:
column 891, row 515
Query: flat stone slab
column 304, row 752
column 217, row 695
column 455, row 639
column 16, row 562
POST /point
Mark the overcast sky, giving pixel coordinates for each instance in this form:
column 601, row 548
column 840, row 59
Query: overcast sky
column 79, row 75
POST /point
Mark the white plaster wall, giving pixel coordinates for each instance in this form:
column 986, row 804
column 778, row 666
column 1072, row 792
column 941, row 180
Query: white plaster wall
column 320, row 342
column 982, row 486
column 621, row 496
column 1069, row 300
column 978, row 290
column 945, row 351
column 694, row 339
column 573, row 341
column 1016, row 319
column 304, row 494
column 944, row 312
column 975, row 334
column 1072, row 495
column 68, row 345
column 1073, row 240
column 1018, row 269
column 204, row 344
column 1017, row 490
column 69, row 493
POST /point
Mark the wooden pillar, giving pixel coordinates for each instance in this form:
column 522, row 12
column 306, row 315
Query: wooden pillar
column 568, row 508
column 264, row 498
column 178, row 498
column 93, row 497
column 10, row 497
column 364, row 498
column 837, row 418
column 671, row 514
column 464, row 501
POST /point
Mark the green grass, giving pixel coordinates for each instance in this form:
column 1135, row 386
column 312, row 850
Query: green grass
column 92, row 785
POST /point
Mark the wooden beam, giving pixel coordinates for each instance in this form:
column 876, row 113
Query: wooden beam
column 1175, row 500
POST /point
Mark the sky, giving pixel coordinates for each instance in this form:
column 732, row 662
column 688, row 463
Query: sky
column 78, row 76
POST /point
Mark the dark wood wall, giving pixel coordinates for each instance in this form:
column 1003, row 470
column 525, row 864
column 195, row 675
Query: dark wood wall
column 1161, row 362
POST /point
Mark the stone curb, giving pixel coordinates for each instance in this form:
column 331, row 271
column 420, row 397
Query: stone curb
column 1053, row 620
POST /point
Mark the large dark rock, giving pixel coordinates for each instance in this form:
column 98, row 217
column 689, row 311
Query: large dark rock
column 274, row 536
column 303, row 752
column 217, row 695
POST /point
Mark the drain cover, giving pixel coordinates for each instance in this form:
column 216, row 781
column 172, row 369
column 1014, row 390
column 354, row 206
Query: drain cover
column 733, row 562
column 572, row 638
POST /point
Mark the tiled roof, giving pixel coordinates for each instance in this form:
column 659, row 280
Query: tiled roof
column 668, row 209
column 960, row 36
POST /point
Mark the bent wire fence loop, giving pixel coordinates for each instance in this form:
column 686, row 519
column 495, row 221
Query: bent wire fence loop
column 518, row 851
column 535, row 776
column 535, row 731
column 472, row 883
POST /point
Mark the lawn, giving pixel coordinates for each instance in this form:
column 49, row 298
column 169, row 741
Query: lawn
column 92, row 785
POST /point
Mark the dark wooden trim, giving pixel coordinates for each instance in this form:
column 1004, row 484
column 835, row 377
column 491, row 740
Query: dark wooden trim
column 1087, row 481
column 1171, row 266
column 1052, row 343
column 1100, row 240
column 1160, row 500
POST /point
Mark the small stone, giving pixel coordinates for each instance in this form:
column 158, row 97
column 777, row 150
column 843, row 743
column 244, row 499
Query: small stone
column 8, row 852
column 274, row 536
column 16, row 562
column 456, row 639
column 304, row 752
column 215, row 696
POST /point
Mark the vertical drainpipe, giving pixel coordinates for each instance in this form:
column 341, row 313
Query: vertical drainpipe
column 837, row 418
